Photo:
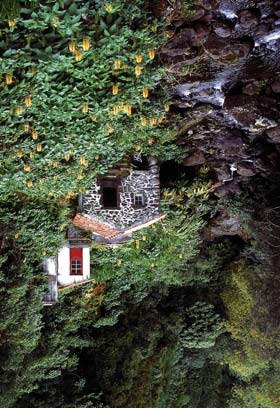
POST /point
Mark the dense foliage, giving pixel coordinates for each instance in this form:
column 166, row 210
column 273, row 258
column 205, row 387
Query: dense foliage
column 174, row 318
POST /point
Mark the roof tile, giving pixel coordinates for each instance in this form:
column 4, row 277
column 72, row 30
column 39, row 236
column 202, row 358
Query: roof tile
column 94, row 226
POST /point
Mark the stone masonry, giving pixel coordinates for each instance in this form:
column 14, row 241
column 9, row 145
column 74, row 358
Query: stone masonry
column 144, row 182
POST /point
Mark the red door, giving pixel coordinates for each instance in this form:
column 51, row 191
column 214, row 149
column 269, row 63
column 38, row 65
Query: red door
column 76, row 261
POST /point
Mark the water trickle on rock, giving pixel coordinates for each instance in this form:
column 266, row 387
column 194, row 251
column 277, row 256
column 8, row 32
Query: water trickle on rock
column 228, row 64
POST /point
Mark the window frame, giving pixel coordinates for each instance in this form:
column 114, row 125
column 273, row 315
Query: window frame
column 135, row 195
column 76, row 255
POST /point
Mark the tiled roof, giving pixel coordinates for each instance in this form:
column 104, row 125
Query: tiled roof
column 95, row 226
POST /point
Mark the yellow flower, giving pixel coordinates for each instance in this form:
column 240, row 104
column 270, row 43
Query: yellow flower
column 16, row 236
column 145, row 92
column 180, row 255
column 139, row 58
column 152, row 54
column 19, row 110
column 160, row 119
column 86, row 44
column 44, row 253
column 150, row 141
column 39, row 148
column 78, row 56
column 29, row 183
column 79, row 176
column 115, row 110
column 168, row 34
column 127, row 109
column 93, row 118
column 153, row 121
column 154, row 28
column 143, row 121
column 166, row 107
column 26, row 127
column 115, row 90
column 31, row 155
column 119, row 262
column 9, row 79
column 72, row 46
column 108, row 7
column 85, row 108
column 110, row 130
column 117, row 64
column 83, row 161
column 19, row 153
column 138, row 70
column 67, row 157
column 137, row 244
column 26, row 167
column 153, row 265
column 137, row 148
column 28, row 101
column 96, row 157
column 55, row 177
column 11, row 23
column 144, row 238
column 34, row 134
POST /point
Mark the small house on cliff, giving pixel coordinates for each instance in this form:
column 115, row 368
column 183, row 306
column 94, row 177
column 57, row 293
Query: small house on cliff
column 125, row 200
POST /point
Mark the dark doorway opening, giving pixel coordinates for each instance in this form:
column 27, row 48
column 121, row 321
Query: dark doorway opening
column 110, row 197
column 140, row 162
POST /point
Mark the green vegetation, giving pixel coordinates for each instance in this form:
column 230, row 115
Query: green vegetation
column 173, row 319
column 80, row 91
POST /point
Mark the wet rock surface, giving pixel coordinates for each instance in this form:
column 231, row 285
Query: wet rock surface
column 226, row 59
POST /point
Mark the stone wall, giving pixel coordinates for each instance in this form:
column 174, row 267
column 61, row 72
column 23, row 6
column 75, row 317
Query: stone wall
column 138, row 181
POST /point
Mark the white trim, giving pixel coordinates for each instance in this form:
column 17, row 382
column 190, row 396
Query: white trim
column 145, row 225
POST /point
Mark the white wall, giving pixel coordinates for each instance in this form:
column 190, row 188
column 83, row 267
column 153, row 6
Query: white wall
column 63, row 267
column 50, row 265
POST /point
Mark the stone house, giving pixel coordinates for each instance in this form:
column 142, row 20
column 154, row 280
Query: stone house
column 125, row 200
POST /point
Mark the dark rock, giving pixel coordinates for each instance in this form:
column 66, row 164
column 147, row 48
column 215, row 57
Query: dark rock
column 222, row 173
column 224, row 50
column 206, row 4
column 229, row 188
column 202, row 32
column 266, row 7
column 224, row 224
column 262, row 29
column 197, row 15
column 174, row 54
column 222, row 30
column 274, row 134
column 183, row 39
column 245, row 170
column 248, row 18
column 208, row 18
column 178, row 22
column 275, row 86
column 251, row 89
column 195, row 159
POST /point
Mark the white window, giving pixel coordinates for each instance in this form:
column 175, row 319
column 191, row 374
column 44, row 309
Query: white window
column 139, row 199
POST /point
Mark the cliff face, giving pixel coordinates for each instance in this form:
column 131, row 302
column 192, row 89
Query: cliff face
column 226, row 61
column 186, row 314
